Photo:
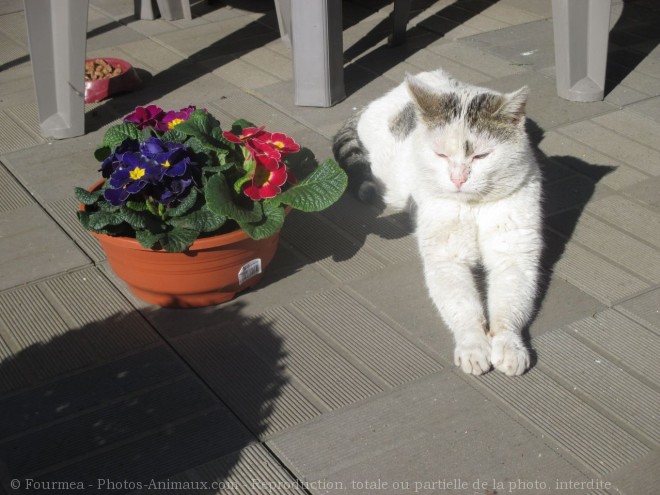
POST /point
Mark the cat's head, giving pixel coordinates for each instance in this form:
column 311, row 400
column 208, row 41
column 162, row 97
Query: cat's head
column 471, row 142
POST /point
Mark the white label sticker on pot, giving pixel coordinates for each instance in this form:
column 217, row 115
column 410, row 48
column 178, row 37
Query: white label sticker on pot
column 249, row 270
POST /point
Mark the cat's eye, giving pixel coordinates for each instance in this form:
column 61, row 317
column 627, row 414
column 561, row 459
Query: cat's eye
column 441, row 155
column 479, row 157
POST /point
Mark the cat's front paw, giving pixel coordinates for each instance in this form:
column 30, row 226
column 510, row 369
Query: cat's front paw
column 473, row 356
column 509, row 354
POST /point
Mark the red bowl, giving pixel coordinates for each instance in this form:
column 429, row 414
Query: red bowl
column 100, row 89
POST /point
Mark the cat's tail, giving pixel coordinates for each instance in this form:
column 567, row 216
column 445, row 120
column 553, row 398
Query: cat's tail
column 352, row 156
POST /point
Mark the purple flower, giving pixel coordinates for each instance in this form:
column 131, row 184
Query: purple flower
column 154, row 168
column 171, row 190
column 115, row 161
column 172, row 157
column 138, row 171
column 149, row 116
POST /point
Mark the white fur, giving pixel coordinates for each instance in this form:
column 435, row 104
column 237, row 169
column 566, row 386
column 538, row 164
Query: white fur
column 493, row 221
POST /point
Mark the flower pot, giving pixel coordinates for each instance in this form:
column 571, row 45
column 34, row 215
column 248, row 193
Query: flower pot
column 212, row 271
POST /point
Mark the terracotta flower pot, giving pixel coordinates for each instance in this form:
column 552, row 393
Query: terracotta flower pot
column 212, row 271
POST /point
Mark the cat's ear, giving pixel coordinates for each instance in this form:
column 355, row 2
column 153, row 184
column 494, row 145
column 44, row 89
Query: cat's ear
column 514, row 105
column 435, row 108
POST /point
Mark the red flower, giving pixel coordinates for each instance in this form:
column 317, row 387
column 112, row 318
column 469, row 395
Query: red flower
column 149, row 116
column 266, row 181
column 246, row 135
column 283, row 143
column 275, row 145
column 264, row 148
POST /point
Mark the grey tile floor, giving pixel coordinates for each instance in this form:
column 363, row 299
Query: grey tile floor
column 335, row 374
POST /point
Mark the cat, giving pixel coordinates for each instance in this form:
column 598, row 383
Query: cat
column 461, row 155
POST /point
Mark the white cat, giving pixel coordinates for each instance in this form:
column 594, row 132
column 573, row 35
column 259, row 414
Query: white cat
column 462, row 155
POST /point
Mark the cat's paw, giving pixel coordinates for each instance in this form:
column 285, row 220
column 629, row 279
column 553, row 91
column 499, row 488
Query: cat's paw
column 509, row 354
column 473, row 355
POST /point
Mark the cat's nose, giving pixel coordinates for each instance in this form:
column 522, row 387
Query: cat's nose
column 458, row 181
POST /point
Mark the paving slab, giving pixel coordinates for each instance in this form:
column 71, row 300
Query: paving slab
column 34, row 247
column 628, row 215
column 595, row 275
column 363, row 86
column 52, row 170
column 644, row 309
column 636, row 256
column 623, row 341
column 586, row 160
column 217, row 39
column 475, row 58
column 650, row 107
column 415, row 436
column 568, row 421
column 252, row 383
column 251, row 470
column 601, row 383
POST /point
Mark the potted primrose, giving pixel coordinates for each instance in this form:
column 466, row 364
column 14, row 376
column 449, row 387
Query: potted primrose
column 189, row 214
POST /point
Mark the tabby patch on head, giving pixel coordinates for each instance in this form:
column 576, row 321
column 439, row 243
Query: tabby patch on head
column 404, row 122
column 497, row 115
column 437, row 109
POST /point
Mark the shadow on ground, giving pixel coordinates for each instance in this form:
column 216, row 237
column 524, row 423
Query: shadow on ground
column 639, row 26
column 131, row 414
column 568, row 185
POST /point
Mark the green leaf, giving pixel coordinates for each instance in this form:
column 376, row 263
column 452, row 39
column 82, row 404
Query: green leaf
column 238, row 185
column 318, row 190
column 117, row 134
column 87, row 198
column 199, row 124
column 83, row 218
column 217, row 133
column 136, row 205
column 220, row 201
column 174, row 136
column 147, row 239
column 102, row 153
column 270, row 224
column 140, row 220
column 105, row 205
column 101, row 219
column 185, row 204
column 201, row 220
column 178, row 239
column 196, row 145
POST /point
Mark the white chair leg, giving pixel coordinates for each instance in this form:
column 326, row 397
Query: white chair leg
column 317, row 45
column 283, row 10
column 57, row 35
column 581, row 30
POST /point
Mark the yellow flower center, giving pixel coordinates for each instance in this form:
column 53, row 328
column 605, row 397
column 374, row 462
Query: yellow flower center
column 137, row 173
column 174, row 122
column 279, row 144
column 166, row 164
